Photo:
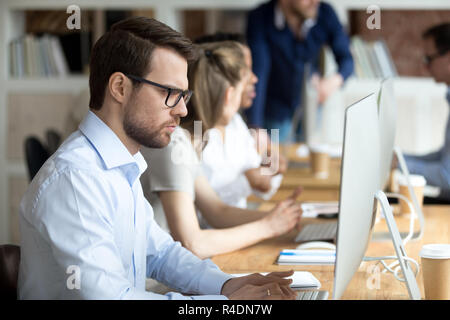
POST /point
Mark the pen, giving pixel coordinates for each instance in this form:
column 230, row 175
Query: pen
column 290, row 253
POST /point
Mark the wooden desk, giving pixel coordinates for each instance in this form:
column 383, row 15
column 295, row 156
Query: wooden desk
column 262, row 258
column 299, row 171
column 304, row 177
column 290, row 152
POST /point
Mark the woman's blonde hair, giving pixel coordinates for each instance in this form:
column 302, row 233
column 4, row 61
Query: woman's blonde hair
column 219, row 65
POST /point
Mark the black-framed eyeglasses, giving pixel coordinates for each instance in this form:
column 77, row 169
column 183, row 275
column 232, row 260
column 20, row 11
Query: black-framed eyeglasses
column 174, row 95
column 428, row 59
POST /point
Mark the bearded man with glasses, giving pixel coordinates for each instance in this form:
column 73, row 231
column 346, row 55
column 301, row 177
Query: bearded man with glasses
column 87, row 231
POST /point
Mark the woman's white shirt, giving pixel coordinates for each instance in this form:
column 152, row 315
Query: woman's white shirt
column 224, row 161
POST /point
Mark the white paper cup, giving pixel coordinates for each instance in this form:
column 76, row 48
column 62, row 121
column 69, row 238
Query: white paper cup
column 418, row 183
column 320, row 160
column 435, row 260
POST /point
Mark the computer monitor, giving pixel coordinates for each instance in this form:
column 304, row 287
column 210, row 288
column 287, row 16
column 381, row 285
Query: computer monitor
column 360, row 177
column 360, row 186
column 387, row 117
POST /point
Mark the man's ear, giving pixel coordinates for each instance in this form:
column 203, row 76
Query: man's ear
column 119, row 86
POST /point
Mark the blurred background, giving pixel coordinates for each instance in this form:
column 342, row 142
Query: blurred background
column 44, row 72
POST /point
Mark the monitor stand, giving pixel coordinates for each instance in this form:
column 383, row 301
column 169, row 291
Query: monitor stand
column 417, row 209
column 411, row 283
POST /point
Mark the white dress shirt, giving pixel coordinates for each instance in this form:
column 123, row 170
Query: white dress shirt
column 280, row 22
column 87, row 231
column 224, row 161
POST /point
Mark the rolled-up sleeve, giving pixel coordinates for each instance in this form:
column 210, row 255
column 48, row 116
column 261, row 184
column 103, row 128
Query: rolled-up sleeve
column 434, row 156
column 261, row 56
column 339, row 42
column 436, row 172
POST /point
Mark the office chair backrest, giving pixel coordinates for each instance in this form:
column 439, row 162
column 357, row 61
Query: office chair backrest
column 9, row 271
column 53, row 140
column 36, row 154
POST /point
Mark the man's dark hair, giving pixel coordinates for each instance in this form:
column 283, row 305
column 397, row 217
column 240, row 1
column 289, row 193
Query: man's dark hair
column 221, row 36
column 441, row 36
column 127, row 47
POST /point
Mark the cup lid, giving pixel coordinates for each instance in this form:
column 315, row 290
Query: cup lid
column 319, row 147
column 415, row 179
column 435, row 251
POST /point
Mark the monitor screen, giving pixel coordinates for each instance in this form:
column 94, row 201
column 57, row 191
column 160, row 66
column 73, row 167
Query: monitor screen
column 360, row 177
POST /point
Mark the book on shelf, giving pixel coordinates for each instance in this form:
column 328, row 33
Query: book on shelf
column 372, row 59
column 32, row 56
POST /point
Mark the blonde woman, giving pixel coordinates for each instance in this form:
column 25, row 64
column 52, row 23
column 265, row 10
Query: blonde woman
column 236, row 163
column 184, row 202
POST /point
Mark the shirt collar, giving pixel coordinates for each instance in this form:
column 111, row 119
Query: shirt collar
column 111, row 150
column 280, row 22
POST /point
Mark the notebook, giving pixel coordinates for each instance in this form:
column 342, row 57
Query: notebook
column 306, row 257
column 300, row 280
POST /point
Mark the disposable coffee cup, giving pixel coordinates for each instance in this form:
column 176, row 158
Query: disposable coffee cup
column 391, row 182
column 417, row 183
column 320, row 160
column 435, row 260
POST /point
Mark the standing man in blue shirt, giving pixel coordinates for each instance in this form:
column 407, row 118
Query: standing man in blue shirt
column 87, row 231
column 435, row 167
column 284, row 36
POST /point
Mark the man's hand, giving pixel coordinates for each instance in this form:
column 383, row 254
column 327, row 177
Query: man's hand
column 273, row 286
column 327, row 86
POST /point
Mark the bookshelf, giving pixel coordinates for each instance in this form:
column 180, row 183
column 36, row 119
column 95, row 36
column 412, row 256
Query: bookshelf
column 12, row 25
column 73, row 83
